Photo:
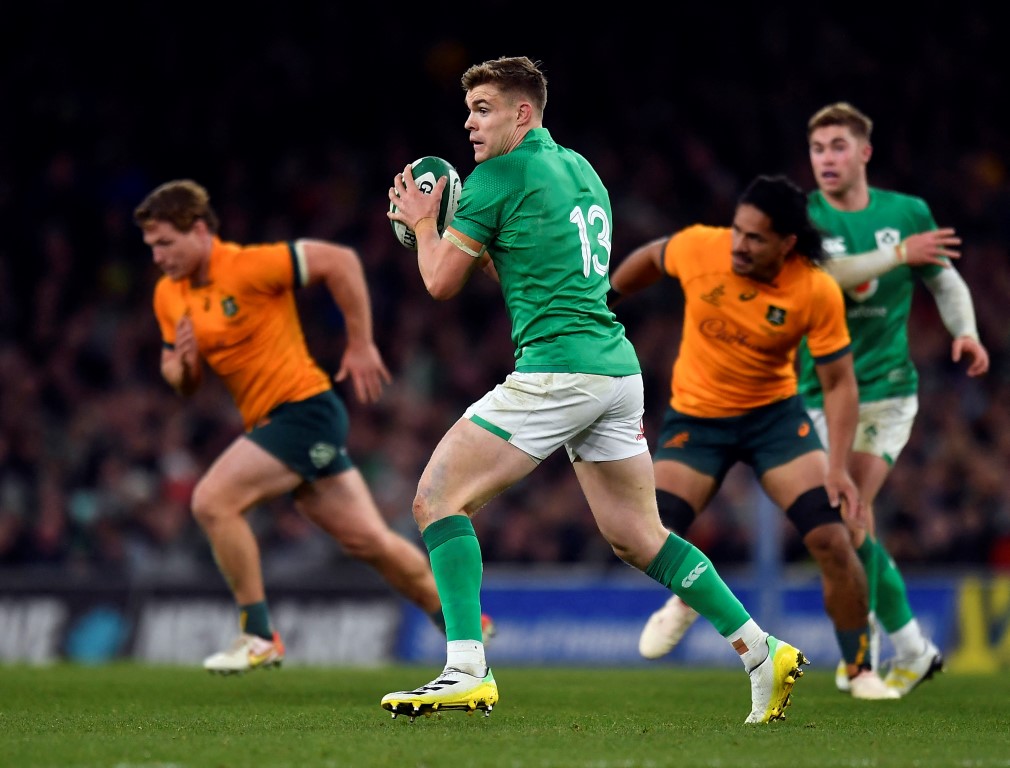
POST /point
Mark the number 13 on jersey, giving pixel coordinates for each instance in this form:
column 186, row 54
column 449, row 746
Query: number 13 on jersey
column 596, row 258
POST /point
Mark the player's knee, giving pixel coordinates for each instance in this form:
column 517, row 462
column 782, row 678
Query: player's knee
column 202, row 505
column 212, row 505
column 367, row 546
column 433, row 502
column 676, row 514
column 422, row 509
column 820, row 525
column 812, row 510
column 632, row 553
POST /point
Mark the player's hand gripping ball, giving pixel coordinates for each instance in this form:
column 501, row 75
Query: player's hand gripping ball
column 427, row 171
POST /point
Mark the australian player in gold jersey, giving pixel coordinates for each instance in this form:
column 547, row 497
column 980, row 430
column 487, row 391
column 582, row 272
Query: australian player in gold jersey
column 752, row 291
column 233, row 307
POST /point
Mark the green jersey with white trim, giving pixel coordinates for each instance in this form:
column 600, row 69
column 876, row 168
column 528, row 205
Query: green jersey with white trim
column 545, row 217
column 876, row 311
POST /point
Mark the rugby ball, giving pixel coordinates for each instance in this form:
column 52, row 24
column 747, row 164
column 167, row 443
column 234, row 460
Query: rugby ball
column 427, row 171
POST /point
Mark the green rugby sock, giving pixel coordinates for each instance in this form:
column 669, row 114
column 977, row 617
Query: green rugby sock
column 458, row 569
column 893, row 608
column 683, row 568
column 254, row 619
column 867, row 552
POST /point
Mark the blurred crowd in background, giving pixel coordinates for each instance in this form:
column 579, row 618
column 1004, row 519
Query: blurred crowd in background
column 298, row 134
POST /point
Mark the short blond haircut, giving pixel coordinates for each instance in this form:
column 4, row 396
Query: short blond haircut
column 841, row 113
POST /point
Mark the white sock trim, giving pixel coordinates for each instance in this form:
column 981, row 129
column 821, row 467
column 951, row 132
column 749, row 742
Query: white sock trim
column 909, row 640
column 754, row 639
column 466, row 655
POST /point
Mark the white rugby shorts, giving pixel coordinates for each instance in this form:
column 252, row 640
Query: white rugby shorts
column 596, row 418
column 884, row 426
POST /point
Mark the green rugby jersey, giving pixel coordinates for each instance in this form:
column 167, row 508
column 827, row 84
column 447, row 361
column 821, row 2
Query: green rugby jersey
column 876, row 311
column 545, row 217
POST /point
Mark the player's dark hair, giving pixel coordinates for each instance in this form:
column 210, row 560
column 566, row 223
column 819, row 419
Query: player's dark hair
column 510, row 74
column 785, row 204
column 181, row 203
column 844, row 114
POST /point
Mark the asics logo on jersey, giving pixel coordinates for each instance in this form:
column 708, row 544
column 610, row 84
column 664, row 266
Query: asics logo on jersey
column 688, row 581
column 713, row 296
column 748, row 295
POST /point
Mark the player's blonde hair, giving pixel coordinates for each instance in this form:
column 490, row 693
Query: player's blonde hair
column 841, row 113
column 510, row 74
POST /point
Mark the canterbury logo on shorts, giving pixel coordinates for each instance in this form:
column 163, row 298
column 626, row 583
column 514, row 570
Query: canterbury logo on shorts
column 693, row 576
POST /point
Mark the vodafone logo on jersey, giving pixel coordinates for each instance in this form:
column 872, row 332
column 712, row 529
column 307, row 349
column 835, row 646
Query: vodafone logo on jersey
column 863, row 291
column 888, row 237
column 835, row 248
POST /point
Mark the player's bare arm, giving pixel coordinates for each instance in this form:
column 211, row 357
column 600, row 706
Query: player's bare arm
column 339, row 268
column 488, row 268
column 841, row 411
column 638, row 270
column 180, row 365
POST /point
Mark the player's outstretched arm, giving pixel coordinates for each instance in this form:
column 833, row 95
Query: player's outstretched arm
column 637, row 271
column 937, row 246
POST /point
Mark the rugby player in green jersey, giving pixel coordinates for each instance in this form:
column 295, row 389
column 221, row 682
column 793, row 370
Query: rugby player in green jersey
column 536, row 217
column 899, row 245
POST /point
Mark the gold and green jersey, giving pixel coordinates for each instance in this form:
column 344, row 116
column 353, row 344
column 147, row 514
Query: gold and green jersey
column 738, row 346
column 246, row 325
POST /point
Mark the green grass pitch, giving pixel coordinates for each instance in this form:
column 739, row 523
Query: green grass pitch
column 133, row 716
